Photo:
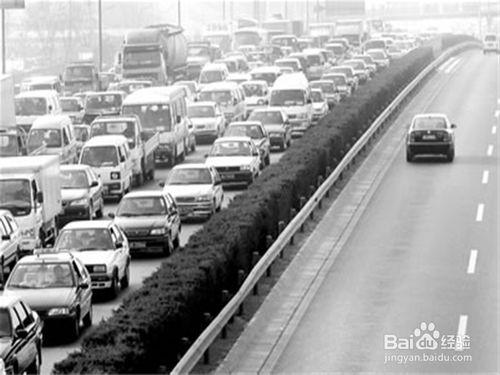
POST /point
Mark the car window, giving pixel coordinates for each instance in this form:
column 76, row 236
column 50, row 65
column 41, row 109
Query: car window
column 29, row 314
column 65, row 137
column 5, row 328
column 3, row 229
column 82, row 269
column 16, row 322
column 23, row 317
column 12, row 223
column 119, row 234
column 77, row 271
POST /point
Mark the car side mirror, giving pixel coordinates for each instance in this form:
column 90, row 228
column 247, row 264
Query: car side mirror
column 111, row 215
column 122, row 159
column 119, row 245
column 217, row 182
column 255, row 153
column 39, row 197
column 94, row 184
column 84, row 285
column 161, row 184
column 178, row 119
column 206, row 156
column 309, row 101
column 21, row 333
column 453, row 126
column 6, row 237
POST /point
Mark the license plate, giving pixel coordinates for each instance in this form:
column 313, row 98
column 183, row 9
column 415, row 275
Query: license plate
column 429, row 137
column 138, row 245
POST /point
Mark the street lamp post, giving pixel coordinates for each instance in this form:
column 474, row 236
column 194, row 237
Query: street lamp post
column 100, row 35
column 179, row 12
column 3, row 42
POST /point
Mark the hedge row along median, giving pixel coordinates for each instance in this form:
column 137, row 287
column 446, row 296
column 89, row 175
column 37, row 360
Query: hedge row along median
column 146, row 331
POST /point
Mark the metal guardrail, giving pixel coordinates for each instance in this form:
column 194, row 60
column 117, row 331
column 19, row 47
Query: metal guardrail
column 208, row 336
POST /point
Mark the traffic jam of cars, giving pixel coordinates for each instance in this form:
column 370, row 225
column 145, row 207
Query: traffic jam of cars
column 77, row 142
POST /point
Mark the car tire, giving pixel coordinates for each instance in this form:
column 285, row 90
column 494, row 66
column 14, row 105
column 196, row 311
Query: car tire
column 125, row 281
column 176, row 243
column 282, row 146
column 87, row 319
column 409, row 156
column 193, row 147
column 168, row 248
column 74, row 329
column 450, row 155
column 114, row 290
column 34, row 367
column 267, row 160
column 99, row 212
column 139, row 179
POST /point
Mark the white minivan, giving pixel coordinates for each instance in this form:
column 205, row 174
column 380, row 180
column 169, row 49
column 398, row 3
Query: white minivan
column 32, row 104
column 292, row 94
column 53, row 135
column 229, row 96
column 109, row 156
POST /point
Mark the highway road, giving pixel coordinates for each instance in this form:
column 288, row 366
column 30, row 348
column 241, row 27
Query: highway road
column 420, row 266
column 55, row 350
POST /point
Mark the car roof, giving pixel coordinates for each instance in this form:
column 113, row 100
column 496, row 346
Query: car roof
column 116, row 118
column 233, row 139
column 41, row 79
column 266, row 69
column 219, row 86
column 429, row 115
column 37, row 94
column 268, row 109
column 191, row 166
column 203, row 104
column 88, row 224
column 49, row 121
column 74, row 167
column 245, row 123
column 50, row 256
column 255, row 82
column 106, row 140
column 144, row 194
column 7, row 301
column 322, row 81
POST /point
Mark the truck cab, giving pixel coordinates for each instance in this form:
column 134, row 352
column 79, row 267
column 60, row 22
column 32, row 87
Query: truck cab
column 80, row 76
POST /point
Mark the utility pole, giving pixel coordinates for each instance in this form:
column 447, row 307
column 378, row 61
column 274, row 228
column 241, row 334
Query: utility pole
column 179, row 13
column 3, row 43
column 100, row 34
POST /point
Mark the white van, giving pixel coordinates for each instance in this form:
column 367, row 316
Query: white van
column 266, row 73
column 291, row 93
column 32, row 104
column 213, row 72
column 41, row 83
column 229, row 96
column 491, row 43
column 164, row 110
column 110, row 158
column 55, row 135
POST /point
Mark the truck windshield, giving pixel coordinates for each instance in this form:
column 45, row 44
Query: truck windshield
column 210, row 76
column 141, row 59
column 31, row 106
column 103, row 101
column 100, row 156
column 16, row 196
column 247, row 38
column 8, row 145
column 78, row 73
column 152, row 116
column 44, row 137
column 287, row 98
column 126, row 128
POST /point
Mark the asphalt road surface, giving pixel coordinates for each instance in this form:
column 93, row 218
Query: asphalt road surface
column 421, row 264
column 55, row 350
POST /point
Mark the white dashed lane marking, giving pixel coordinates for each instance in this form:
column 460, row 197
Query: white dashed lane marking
column 489, row 151
column 494, row 129
column 486, row 175
column 461, row 332
column 471, row 268
column 480, row 212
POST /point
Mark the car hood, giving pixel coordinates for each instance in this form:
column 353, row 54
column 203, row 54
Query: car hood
column 318, row 106
column 51, row 297
column 187, row 190
column 73, row 194
column 271, row 128
column 147, row 222
column 229, row 161
column 203, row 120
column 95, row 257
column 293, row 110
column 26, row 120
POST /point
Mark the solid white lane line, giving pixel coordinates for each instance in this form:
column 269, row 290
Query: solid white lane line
column 452, row 66
column 447, row 63
column 480, row 212
column 489, row 151
column 461, row 332
column 486, row 175
column 471, row 268
column 494, row 129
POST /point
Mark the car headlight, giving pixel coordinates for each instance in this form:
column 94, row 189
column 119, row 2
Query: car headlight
column 245, row 168
column 28, row 233
column 59, row 311
column 79, row 202
column 115, row 175
column 260, row 102
column 205, row 197
column 157, row 231
column 100, row 268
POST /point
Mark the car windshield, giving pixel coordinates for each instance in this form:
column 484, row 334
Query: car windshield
column 209, row 76
column 31, row 106
column 325, row 87
column 347, row 71
column 490, row 38
column 42, row 275
column 316, row 96
column 268, row 77
column 201, row 111
column 74, row 180
column 152, row 116
column 44, row 137
column 8, row 145
column 287, row 98
column 375, row 44
column 291, row 64
column 429, row 123
column 100, row 156
column 125, row 128
column 313, row 60
column 252, row 131
column 220, row 97
column 81, row 133
column 190, row 176
column 16, row 196
column 337, row 50
column 266, row 118
column 141, row 59
column 103, row 101
column 78, row 73
column 5, row 327
column 70, row 105
column 231, row 148
column 253, row 89
column 355, row 64
column 141, row 206
column 85, row 239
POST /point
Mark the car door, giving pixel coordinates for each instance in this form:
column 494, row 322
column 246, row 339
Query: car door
column 8, row 244
column 83, row 295
column 121, row 250
column 173, row 218
column 217, row 186
column 25, row 353
column 32, row 327
column 95, row 191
